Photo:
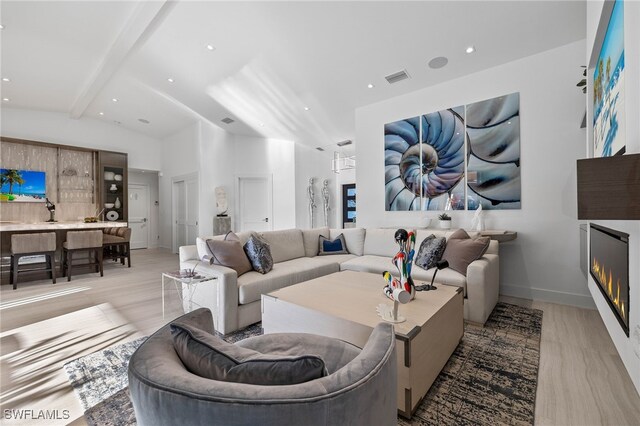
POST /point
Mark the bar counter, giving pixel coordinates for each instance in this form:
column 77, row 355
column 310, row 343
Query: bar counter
column 54, row 226
column 60, row 228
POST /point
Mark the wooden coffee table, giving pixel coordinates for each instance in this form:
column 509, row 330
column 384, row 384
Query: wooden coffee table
column 343, row 305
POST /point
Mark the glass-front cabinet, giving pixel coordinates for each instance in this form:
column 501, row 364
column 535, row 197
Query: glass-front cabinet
column 112, row 178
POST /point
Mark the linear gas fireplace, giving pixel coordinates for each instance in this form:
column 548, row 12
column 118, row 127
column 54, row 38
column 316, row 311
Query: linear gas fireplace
column 609, row 250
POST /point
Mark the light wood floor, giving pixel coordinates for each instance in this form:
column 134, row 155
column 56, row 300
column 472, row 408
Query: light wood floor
column 581, row 382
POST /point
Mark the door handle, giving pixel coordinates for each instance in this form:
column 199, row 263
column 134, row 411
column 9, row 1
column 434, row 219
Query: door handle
column 144, row 219
column 266, row 219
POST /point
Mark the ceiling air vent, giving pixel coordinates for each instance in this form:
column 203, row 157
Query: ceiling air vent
column 397, row 76
column 319, row 148
column 228, row 120
column 344, row 143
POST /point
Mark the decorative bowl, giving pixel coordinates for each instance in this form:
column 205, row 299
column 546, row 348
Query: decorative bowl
column 109, row 205
column 109, row 175
column 117, row 177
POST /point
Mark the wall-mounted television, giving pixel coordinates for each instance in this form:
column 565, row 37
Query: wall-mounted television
column 22, row 186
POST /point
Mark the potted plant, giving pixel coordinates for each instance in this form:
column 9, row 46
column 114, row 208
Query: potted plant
column 445, row 221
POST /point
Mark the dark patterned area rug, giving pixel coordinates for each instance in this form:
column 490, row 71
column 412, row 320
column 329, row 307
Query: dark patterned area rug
column 490, row 379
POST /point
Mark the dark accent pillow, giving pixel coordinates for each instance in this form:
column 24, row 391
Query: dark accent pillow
column 327, row 246
column 209, row 356
column 259, row 254
column 430, row 251
column 229, row 253
column 461, row 250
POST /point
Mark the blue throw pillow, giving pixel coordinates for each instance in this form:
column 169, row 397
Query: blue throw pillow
column 327, row 246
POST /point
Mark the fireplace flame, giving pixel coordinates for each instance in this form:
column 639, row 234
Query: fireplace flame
column 606, row 282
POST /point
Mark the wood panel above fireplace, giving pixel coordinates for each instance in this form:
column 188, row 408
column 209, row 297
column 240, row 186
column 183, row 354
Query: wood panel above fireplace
column 609, row 188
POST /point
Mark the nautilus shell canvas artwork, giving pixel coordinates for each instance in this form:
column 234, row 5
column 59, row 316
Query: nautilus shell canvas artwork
column 455, row 158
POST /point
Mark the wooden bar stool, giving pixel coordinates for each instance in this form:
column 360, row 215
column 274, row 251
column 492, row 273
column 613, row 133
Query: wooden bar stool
column 90, row 241
column 116, row 242
column 43, row 243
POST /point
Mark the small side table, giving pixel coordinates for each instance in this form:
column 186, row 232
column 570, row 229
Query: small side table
column 191, row 284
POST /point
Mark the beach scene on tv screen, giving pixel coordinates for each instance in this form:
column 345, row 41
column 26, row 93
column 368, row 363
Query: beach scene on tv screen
column 25, row 186
column 608, row 90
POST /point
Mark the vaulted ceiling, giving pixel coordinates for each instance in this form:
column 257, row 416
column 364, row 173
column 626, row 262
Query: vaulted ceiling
column 291, row 70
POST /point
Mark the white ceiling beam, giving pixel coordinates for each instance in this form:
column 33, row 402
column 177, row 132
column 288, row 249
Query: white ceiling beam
column 144, row 20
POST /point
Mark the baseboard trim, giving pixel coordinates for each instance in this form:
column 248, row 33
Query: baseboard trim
column 544, row 295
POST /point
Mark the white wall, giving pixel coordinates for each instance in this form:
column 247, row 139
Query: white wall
column 628, row 347
column 56, row 127
column 180, row 156
column 217, row 162
column 150, row 179
column 218, row 157
column 270, row 156
column 543, row 263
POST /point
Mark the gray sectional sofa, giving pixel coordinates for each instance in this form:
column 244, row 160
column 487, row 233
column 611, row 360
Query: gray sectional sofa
column 236, row 301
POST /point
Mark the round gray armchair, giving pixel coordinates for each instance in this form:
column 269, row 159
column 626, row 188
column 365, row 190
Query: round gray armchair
column 360, row 387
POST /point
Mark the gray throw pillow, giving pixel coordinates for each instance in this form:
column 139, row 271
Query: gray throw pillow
column 209, row 356
column 327, row 246
column 229, row 253
column 431, row 251
column 462, row 250
column 259, row 254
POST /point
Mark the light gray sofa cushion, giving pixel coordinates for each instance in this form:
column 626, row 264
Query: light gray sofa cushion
column 253, row 284
column 379, row 264
column 285, row 245
column 353, row 237
column 381, row 242
column 209, row 356
column 310, row 239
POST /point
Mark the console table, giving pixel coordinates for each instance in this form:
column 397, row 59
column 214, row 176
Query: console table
column 500, row 236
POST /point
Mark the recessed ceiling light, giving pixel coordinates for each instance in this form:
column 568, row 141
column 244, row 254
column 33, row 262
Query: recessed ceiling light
column 6, row 99
column 6, row 79
column 307, row 108
column 143, row 120
column 101, row 113
column 210, row 47
column 170, row 80
column 261, row 124
column 438, row 62
column 370, row 86
column 114, row 99
column 470, row 49
column 1, row 27
column 508, row 122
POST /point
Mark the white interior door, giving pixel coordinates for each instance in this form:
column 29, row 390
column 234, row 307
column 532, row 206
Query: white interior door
column 185, row 211
column 255, row 209
column 139, row 215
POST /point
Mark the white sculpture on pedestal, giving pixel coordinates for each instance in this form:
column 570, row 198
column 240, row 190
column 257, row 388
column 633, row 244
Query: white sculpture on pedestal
column 222, row 205
column 477, row 224
column 325, row 201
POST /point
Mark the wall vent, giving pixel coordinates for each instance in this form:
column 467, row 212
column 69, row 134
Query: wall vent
column 228, row 120
column 319, row 148
column 397, row 76
column 344, row 143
